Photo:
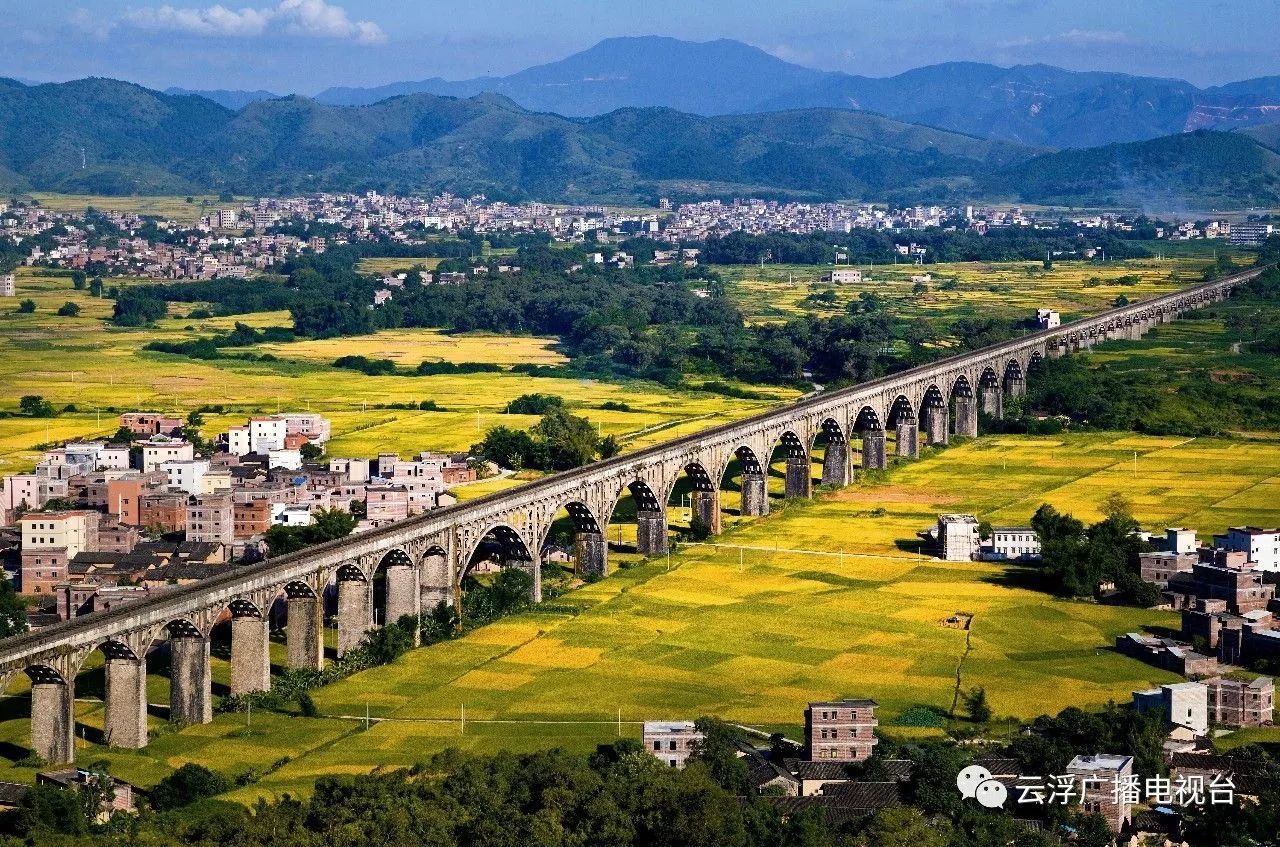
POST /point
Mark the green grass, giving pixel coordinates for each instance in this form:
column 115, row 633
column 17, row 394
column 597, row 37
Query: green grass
column 975, row 289
column 85, row 362
column 754, row 642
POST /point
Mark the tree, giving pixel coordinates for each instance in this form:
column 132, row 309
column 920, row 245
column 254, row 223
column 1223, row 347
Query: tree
column 903, row 827
column 95, row 286
column 13, row 612
column 717, row 750
column 123, row 435
column 311, row 452
column 975, row 705
column 68, row 310
column 568, row 440
column 50, row 808
column 78, row 280
column 35, row 406
column 1117, row 507
column 186, row 785
column 26, row 307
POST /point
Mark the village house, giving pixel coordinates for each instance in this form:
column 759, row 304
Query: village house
column 1097, row 777
column 842, row 730
column 50, row 540
column 672, row 742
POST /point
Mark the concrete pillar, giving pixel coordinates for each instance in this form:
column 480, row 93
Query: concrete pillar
column 1017, row 387
column 1054, row 351
column 250, row 654
column 125, row 721
column 651, row 532
column 799, row 477
column 592, row 554
column 190, row 696
column 908, row 439
column 436, row 586
column 967, row 417
column 534, row 568
column 992, row 401
column 403, row 593
column 706, row 508
column 304, row 633
column 755, row 495
column 53, row 722
column 873, row 450
column 835, row 464
column 355, row 613
column 937, row 424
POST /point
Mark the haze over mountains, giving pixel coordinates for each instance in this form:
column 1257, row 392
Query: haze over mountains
column 1029, row 104
column 733, row 120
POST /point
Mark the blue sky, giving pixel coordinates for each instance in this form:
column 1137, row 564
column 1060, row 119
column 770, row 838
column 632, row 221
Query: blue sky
column 307, row 45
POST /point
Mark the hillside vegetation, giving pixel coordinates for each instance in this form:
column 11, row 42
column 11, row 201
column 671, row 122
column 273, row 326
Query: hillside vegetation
column 99, row 136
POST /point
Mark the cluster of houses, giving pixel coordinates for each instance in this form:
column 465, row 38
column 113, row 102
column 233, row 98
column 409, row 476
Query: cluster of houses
column 1226, row 594
column 828, row 769
column 99, row 523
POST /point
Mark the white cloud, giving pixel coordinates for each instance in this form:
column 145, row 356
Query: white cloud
column 1074, row 38
column 298, row 18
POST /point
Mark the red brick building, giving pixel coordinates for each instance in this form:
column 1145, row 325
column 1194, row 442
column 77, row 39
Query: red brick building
column 842, row 731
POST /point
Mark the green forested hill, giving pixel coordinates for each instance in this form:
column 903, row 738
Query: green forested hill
column 1189, row 170
column 99, row 136
column 136, row 141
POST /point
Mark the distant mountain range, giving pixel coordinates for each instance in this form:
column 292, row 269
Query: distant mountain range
column 100, row 136
column 1029, row 104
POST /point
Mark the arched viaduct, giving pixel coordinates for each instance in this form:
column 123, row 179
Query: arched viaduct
column 421, row 561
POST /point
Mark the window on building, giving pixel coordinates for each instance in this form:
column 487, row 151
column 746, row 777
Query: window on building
column 657, row 745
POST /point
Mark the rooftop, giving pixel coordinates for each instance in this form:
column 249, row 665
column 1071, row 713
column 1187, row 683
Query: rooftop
column 846, row 703
column 1100, row 762
column 653, row 727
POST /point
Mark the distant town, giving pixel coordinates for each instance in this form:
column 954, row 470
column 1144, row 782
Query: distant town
column 241, row 240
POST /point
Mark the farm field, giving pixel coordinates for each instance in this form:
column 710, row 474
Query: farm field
column 83, row 361
column 173, row 207
column 821, row 599
column 985, row 289
column 387, row 264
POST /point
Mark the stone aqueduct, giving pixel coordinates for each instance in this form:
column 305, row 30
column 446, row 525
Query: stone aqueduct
column 421, row 561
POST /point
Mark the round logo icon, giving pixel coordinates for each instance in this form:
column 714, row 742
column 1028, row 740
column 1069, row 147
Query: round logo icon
column 992, row 793
column 970, row 778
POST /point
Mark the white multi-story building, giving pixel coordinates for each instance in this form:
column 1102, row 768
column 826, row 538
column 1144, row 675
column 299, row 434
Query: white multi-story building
column 1185, row 705
column 843, row 276
column 187, row 475
column 1014, row 543
column 958, row 537
column 8, row 285
column 156, row 451
column 1048, row 318
column 259, row 435
column 673, row 742
column 1261, row 545
column 282, row 458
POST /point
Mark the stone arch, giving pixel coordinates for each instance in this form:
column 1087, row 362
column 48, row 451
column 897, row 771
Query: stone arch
column 1013, row 370
column 961, row 387
column 868, row 420
column 590, row 549
column 395, row 591
column 935, row 414
column 754, row 497
column 836, row 456
column 502, row 544
column 696, row 493
column 41, row 673
column 964, row 399
column 798, row 472
column 499, row 539
column 900, row 410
